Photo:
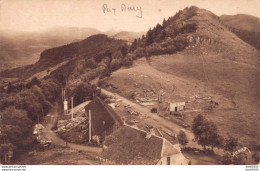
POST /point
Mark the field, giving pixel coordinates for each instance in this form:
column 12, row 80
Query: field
column 182, row 77
column 236, row 82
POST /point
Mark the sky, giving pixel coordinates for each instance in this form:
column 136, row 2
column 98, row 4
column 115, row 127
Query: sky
column 104, row 15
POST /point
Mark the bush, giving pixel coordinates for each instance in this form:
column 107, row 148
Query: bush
column 256, row 157
column 90, row 63
column 128, row 62
column 140, row 52
column 226, row 159
column 116, row 64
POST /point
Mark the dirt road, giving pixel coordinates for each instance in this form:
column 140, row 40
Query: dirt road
column 48, row 134
column 157, row 121
column 152, row 118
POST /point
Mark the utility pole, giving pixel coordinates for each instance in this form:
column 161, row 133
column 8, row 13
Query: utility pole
column 71, row 107
column 62, row 95
column 159, row 96
column 89, row 124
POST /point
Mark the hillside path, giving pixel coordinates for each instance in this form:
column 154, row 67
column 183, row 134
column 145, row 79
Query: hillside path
column 49, row 135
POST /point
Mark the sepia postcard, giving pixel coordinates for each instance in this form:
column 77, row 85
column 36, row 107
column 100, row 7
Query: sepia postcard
column 130, row 82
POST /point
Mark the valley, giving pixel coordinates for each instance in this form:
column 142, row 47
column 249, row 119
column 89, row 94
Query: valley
column 190, row 76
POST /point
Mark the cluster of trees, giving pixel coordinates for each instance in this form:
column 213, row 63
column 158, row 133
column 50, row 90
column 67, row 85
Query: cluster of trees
column 206, row 134
column 157, row 34
column 166, row 38
column 18, row 86
column 36, row 101
column 19, row 111
column 83, row 92
column 16, row 130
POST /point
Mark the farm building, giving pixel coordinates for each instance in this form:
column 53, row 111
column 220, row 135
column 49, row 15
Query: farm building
column 102, row 119
column 177, row 106
column 130, row 145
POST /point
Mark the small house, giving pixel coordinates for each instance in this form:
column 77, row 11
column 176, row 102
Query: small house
column 177, row 106
column 131, row 146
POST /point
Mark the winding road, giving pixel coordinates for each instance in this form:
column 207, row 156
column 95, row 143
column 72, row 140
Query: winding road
column 48, row 135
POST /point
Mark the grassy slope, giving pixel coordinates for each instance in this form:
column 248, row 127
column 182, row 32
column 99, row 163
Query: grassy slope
column 237, row 82
column 242, row 21
column 246, row 27
column 227, row 70
column 237, row 113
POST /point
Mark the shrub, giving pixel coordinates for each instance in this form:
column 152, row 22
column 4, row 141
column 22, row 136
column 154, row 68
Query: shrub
column 256, row 157
column 182, row 138
column 226, row 159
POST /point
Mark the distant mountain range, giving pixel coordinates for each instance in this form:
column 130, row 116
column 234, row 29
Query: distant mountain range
column 23, row 48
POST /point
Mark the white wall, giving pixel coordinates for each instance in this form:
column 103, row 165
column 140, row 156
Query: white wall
column 176, row 159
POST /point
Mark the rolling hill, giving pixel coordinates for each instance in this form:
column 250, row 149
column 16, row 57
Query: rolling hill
column 192, row 53
column 96, row 47
column 199, row 56
column 24, row 48
column 246, row 27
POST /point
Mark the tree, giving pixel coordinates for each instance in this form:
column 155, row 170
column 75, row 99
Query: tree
column 5, row 148
column 16, row 130
column 33, row 82
column 133, row 45
column 197, row 127
column 149, row 37
column 206, row 132
column 213, row 138
column 82, row 93
column 182, row 138
column 124, row 50
column 230, row 144
column 163, row 35
column 164, row 24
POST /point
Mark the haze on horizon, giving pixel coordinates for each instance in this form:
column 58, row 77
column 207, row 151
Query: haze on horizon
column 37, row 15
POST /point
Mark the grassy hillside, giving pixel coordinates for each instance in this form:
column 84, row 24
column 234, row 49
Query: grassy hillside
column 234, row 83
column 202, row 57
column 246, row 27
